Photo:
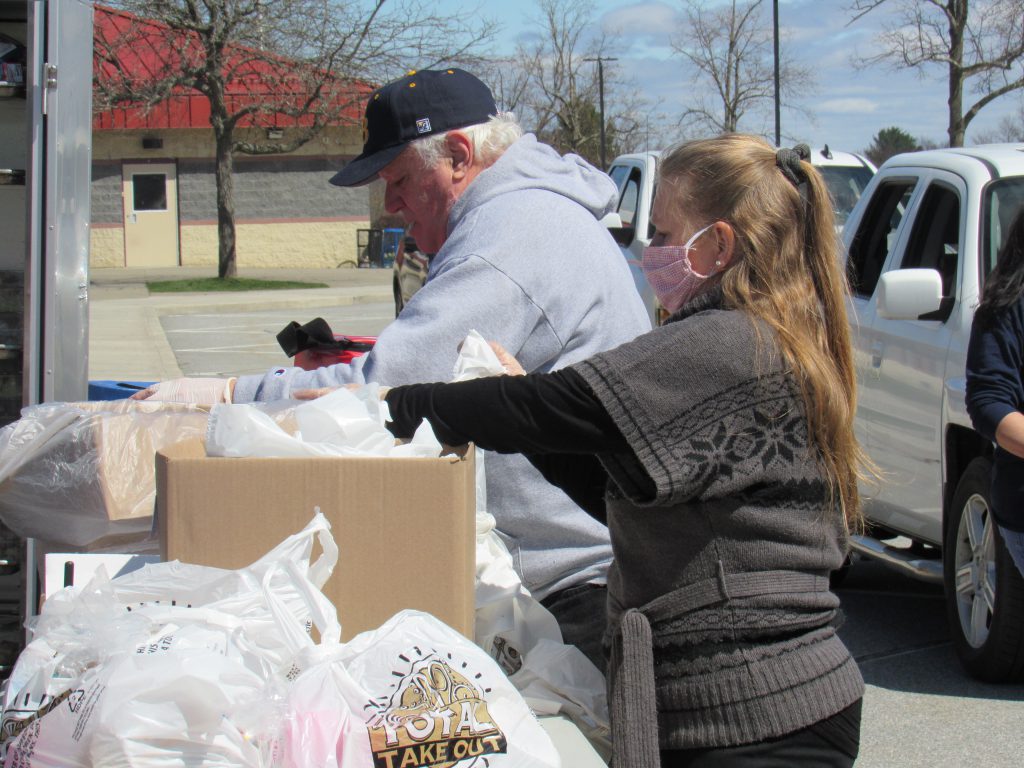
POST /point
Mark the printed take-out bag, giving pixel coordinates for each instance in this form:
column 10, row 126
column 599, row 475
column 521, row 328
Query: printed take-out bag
column 429, row 697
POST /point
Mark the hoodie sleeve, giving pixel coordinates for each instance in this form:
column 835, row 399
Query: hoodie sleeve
column 421, row 345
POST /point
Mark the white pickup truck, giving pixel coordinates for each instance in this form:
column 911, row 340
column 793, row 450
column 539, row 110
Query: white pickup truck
column 919, row 245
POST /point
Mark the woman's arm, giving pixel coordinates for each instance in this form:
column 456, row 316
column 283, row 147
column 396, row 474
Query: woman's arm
column 995, row 359
column 541, row 413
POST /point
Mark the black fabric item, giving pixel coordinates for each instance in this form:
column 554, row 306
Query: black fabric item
column 582, row 478
column 552, row 418
column 536, row 414
column 581, row 612
column 420, row 104
column 316, row 334
column 830, row 743
column 788, row 161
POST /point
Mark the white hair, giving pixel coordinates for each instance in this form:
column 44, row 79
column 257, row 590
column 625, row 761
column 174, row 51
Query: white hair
column 489, row 140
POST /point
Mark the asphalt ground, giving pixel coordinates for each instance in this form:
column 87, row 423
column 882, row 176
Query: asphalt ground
column 920, row 708
column 138, row 336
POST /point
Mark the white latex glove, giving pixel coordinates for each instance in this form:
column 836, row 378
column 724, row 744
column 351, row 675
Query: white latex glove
column 202, row 391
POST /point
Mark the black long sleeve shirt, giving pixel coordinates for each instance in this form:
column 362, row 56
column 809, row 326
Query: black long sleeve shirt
column 552, row 418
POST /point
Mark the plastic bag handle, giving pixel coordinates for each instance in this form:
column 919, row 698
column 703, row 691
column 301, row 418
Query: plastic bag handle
column 307, row 585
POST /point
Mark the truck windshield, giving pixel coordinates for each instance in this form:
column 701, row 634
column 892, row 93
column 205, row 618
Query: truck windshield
column 1003, row 200
column 845, row 184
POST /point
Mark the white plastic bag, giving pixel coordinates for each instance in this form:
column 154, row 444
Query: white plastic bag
column 342, row 423
column 432, row 697
column 171, row 664
column 81, row 475
column 321, row 728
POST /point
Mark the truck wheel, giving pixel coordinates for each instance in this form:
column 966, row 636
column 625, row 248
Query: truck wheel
column 984, row 590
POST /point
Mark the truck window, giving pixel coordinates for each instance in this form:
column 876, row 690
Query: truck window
column 630, row 196
column 618, row 174
column 845, row 185
column 1003, row 200
column 876, row 235
column 935, row 239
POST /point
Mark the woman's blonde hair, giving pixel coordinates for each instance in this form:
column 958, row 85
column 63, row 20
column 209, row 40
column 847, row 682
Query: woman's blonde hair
column 785, row 270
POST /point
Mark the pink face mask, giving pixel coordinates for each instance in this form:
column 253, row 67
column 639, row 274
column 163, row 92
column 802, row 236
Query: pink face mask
column 668, row 270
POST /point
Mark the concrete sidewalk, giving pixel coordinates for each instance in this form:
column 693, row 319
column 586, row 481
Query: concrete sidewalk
column 127, row 340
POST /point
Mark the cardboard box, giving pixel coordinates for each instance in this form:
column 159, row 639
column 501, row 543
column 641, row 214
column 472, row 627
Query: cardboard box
column 405, row 528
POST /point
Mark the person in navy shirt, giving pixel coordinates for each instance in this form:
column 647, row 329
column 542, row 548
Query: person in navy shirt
column 995, row 385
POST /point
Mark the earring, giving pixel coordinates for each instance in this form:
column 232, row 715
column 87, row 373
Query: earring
column 718, row 262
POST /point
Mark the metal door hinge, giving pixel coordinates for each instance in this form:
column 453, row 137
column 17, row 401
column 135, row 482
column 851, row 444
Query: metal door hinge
column 49, row 83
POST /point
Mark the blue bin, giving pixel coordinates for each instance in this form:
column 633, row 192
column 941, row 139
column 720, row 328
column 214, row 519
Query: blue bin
column 115, row 390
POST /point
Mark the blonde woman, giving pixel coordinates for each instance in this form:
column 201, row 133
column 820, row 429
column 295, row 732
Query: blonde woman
column 719, row 449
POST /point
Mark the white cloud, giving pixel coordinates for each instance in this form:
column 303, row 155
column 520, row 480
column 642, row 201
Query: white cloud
column 847, row 106
column 646, row 26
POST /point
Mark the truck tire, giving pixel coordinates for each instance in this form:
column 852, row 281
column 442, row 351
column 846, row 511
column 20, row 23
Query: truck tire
column 984, row 589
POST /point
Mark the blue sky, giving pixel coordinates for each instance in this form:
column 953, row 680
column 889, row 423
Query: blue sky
column 849, row 106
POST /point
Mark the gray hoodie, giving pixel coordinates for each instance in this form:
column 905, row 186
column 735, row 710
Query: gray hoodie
column 526, row 263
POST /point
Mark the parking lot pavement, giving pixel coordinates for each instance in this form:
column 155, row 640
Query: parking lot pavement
column 921, row 710
column 131, row 330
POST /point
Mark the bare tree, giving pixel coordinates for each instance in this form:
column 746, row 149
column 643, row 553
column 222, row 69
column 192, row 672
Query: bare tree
column 1009, row 129
column 306, row 62
column 981, row 45
column 730, row 48
column 561, row 97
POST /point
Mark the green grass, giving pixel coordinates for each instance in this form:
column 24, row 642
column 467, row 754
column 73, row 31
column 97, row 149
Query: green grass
column 207, row 284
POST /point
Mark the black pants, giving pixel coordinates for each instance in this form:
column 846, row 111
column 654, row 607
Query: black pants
column 831, row 743
column 582, row 612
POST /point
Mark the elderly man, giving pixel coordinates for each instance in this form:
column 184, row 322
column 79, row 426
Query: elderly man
column 522, row 258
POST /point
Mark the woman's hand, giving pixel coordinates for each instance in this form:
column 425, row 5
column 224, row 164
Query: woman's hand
column 310, row 394
column 202, row 391
column 509, row 363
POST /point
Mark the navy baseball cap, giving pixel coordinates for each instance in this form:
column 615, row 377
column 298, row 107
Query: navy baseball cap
column 422, row 103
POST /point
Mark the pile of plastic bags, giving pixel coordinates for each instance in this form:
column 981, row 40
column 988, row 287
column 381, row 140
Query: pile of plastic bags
column 185, row 665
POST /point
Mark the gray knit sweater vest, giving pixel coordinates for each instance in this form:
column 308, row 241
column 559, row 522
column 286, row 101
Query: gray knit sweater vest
column 721, row 622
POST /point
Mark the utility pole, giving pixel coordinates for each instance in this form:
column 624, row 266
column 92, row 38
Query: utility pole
column 778, row 111
column 600, row 89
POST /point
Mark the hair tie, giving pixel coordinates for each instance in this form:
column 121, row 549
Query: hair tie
column 788, row 161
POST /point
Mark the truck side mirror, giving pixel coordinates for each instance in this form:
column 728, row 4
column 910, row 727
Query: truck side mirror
column 621, row 233
column 911, row 294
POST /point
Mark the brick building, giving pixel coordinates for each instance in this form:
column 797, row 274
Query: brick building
column 153, row 191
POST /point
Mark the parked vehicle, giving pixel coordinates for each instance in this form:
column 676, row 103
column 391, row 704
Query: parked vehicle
column 845, row 173
column 410, row 272
column 920, row 244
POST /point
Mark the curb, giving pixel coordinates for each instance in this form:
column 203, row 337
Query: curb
column 251, row 304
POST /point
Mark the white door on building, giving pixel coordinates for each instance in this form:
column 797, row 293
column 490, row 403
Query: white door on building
column 150, row 193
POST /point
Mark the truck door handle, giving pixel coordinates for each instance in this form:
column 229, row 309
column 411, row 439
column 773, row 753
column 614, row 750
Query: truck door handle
column 876, row 354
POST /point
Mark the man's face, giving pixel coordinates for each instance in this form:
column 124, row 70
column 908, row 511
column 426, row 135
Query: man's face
column 424, row 196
